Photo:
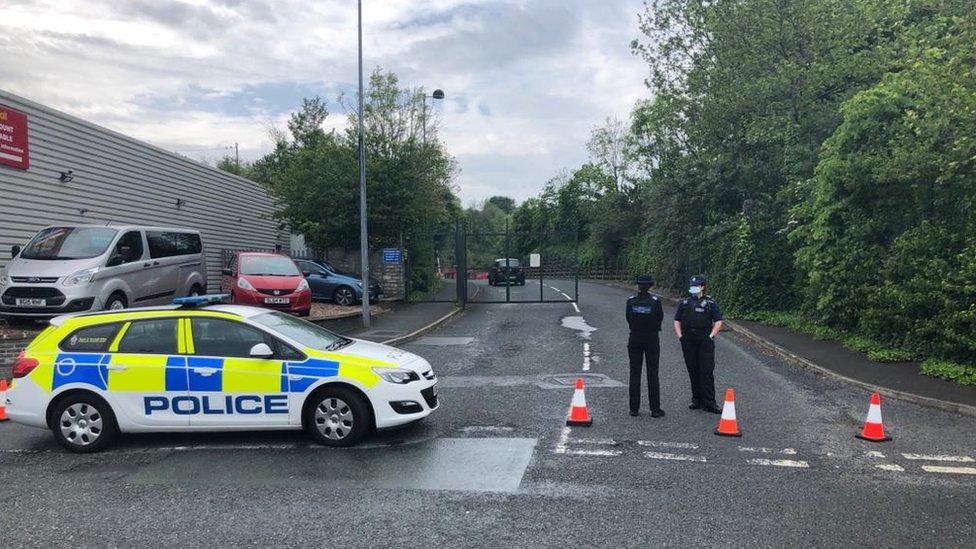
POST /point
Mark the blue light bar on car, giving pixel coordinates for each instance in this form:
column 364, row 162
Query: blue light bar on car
column 193, row 300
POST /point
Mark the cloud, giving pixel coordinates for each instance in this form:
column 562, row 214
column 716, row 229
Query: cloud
column 526, row 80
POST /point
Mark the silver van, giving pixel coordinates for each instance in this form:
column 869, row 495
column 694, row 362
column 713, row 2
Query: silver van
column 68, row 269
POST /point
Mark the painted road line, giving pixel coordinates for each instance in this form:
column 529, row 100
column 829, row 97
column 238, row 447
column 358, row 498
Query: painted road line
column 874, row 454
column 601, row 441
column 563, row 442
column 890, row 467
column 760, row 450
column 924, row 457
column 950, row 470
column 599, row 453
column 779, row 462
column 674, row 457
column 487, row 429
column 661, row 444
column 586, row 357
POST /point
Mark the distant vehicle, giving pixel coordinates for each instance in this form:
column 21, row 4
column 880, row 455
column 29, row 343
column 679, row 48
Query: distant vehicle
column 200, row 367
column 267, row 280
column 65, row 269
column 506, row 270
column 331, row 284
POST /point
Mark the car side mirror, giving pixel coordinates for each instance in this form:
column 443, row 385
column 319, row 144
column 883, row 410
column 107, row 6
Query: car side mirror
column 227, row 272
column 261, row 350
column 115, row 261
column 306, row 274
column 14, row 251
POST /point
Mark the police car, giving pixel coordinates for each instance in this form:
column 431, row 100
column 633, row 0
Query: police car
column 203, row 366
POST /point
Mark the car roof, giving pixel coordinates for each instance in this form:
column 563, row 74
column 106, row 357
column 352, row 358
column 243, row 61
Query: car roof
column 125, row 227
column 242, row 311
column 272, row 254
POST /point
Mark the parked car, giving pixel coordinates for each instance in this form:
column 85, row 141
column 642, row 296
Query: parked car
column 331, row 284
column 67, row 269
column 267, row 280
column 506, row 270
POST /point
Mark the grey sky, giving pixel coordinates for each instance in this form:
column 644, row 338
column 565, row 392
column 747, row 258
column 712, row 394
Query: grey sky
column 526, row 81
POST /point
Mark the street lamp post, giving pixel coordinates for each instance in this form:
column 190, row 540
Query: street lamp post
column 438, row 94
column 363, row 240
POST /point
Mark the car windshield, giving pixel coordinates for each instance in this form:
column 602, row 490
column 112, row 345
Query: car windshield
column 511, row 262
column 302, row 332
column 69, row 243
column 268, row 265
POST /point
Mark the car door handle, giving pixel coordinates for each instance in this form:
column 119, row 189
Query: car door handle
column 155, row 263
column 205, row 371
column 116, row 367
column 147, row 264
column 293, row 377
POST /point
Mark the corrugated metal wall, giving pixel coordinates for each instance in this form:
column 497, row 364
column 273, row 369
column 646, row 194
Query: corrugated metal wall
column 120, row 180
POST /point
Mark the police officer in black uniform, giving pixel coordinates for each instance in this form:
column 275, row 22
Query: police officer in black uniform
column 644, row 315
column 696, row 323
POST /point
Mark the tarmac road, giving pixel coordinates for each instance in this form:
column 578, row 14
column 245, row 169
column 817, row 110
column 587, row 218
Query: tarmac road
column 495, row 466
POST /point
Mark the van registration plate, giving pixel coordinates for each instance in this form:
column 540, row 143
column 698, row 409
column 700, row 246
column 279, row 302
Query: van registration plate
column 31, row 302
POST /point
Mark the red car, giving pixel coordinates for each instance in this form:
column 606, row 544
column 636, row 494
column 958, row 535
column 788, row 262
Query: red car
column 267, row 280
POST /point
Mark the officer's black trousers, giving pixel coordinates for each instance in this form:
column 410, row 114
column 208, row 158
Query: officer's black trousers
column 699, row 352
column 641, row 350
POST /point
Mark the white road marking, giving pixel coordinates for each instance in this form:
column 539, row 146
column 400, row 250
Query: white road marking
column 601, row 453
column 487, row 429
column 674, row 457
column 874, row 454
column 923, row 457
column 760, row 450
column 890, row 467
column 586, row 357
column 563, row 441
column 603, row 441
column 951, row 470
column 659, row 444
column 778, row 462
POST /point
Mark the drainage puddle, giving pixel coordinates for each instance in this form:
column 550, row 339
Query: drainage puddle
column 579, row 324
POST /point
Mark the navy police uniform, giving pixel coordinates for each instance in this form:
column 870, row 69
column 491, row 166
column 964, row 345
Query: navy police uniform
column 696, row 315
column 644, row 315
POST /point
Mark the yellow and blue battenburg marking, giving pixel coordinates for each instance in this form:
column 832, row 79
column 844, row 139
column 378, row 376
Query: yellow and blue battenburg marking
column 191, row 373
column 85, row 368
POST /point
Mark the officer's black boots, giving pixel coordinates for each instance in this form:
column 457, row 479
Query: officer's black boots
column 713, row 409
column 657, row 413
column 695, row 404
column 634, row 413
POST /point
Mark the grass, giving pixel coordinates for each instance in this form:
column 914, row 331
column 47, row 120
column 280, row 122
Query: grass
column 952, row 371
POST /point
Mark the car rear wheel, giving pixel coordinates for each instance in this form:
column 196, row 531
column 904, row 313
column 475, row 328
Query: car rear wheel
column 344, row 296
column 116, row 302
column 337, row 416
column 84, row 424
column 196, row 291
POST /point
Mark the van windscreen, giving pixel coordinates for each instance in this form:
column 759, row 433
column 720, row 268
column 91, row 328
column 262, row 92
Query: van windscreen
column 69, row 243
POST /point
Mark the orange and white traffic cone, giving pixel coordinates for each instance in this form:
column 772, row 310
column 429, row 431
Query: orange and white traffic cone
column 3, row 400
column 728, row 426
column 578, row 414
column 873, row 425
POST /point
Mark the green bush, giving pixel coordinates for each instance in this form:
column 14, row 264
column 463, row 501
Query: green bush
column 960, row 373
column 891, row 355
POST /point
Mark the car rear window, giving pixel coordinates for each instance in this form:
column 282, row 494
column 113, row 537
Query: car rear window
column 511, row 263
column 155, row 337
column 93, row 339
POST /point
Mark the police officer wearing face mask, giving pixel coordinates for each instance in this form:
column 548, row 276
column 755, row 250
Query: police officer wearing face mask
column 644, row 315
column 696, row 323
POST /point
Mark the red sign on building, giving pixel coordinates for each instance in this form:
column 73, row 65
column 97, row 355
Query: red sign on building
column 13, row 139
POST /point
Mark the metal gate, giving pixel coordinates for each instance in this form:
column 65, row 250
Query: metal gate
column 463, row 266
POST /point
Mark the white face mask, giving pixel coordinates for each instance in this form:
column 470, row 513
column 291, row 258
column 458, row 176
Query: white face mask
column 695, row 290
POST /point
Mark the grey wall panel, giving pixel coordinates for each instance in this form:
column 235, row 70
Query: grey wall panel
column 121, row 180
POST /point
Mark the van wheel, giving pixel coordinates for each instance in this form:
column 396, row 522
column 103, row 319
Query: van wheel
column 116, row 302
column 83, row 424
column 344, row 296
column 336, row 416
column 195, row 291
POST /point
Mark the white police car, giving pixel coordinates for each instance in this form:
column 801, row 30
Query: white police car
column 196, row 366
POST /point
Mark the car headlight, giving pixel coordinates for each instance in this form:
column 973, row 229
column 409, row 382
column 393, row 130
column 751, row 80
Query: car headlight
column 3, row 277
column 303, row 285
column 243, row 284
column 80, row 278
column 400, row 376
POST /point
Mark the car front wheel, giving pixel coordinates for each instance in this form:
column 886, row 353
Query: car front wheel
column 344, row 296
column 337, row 416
